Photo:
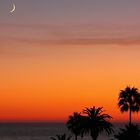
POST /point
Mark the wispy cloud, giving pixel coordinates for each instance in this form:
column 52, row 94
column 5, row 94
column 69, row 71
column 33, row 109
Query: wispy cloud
column 73, row 41
column 88, row 34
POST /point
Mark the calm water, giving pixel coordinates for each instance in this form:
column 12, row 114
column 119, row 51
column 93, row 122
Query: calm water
column 38, row 131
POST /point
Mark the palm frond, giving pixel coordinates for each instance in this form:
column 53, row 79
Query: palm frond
column 97, row 121
column 61, row 137
column 129, row 97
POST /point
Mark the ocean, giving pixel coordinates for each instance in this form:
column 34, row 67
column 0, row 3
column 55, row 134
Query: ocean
column 39, row 131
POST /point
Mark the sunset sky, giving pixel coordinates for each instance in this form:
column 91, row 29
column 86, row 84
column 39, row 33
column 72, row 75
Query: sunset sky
column 59, row 56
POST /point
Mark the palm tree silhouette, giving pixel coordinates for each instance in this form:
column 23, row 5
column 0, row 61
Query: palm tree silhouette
column 74, row 124
column 61, row 137
column 96, row 122
column 130, row 132
column 129, row 99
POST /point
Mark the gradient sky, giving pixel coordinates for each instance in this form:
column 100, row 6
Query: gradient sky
column 59, row 56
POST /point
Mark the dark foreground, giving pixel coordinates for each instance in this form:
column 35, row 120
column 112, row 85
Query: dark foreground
column 38, row 131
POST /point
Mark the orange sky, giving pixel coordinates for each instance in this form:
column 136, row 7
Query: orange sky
column 51, row 83
column 57, row 57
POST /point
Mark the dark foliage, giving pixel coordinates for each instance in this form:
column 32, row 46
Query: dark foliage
column 61, row 137
column 129, row 99
column 130, row 132
column 74, row 124
column 93, row 122
column 96, row 122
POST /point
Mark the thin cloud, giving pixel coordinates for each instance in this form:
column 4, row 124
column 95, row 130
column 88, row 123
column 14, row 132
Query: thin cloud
column 73, row 41
column 31, row 26
column 90, row 34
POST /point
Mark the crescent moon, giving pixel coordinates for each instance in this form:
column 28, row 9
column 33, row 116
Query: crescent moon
column 14, row 8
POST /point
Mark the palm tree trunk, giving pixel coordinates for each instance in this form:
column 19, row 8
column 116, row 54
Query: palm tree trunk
column 130, row 116
column 94, row 136
column 75, row 137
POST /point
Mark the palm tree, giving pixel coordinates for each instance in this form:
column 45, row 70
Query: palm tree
column 96, row 122
column 61, row 137
column 129, row 99
column 130, row 132
column 74, row 124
